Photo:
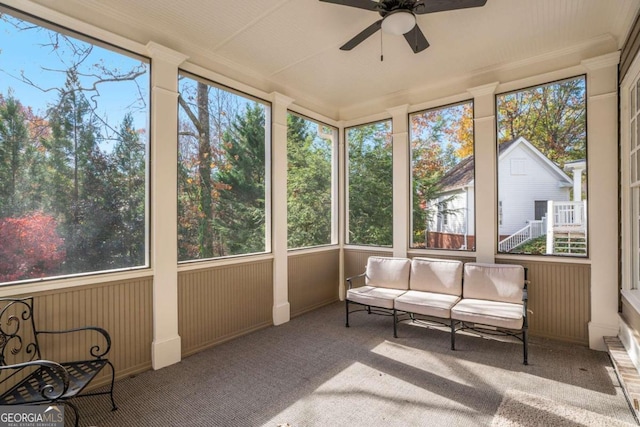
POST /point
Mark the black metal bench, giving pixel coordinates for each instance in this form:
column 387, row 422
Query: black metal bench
column 27, row 379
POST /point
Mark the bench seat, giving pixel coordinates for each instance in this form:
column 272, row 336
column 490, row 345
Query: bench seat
column 374, row 296
column 426, row 303
column 493, row 313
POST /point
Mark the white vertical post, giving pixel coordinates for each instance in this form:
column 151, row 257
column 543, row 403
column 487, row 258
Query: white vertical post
column 602, row 146
column 342, row 206
column 551, row 220
column 577, row 184
column 485, row 161
column 401, row 173
column 166, row 346
column 281, row 307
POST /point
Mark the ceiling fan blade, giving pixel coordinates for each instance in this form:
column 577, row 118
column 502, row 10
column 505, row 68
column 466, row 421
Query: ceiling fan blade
column 362, row 36
column 431, row 6
column 416, row 40
column 360, row 4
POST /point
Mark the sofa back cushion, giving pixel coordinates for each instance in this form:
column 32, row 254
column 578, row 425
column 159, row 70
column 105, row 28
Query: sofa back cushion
column 387, row 272
column 495, row 282
column 436, row 275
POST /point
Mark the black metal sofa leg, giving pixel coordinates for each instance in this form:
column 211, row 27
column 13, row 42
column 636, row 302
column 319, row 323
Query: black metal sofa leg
column 346, row 304
column 526, row 347
column 395, row 323
column 453, row 334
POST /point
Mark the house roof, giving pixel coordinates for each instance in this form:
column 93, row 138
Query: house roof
column 292, row 46
column 462, row 174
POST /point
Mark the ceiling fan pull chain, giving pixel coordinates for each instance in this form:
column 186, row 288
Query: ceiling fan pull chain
column 381, row 51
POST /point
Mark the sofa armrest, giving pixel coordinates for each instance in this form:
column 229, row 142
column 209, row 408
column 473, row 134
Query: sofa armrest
column 351, row 279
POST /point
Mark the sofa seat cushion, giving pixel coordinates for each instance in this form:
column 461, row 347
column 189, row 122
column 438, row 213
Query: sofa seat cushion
column 493, row 313
column 426, row 303
column 373, row 296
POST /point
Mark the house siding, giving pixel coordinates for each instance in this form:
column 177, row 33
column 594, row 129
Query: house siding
column 518, row 191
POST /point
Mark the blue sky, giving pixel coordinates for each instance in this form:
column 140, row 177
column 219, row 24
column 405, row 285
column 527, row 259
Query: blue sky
column 27, row 50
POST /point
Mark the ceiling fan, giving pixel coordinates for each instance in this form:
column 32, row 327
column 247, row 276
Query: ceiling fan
column 399, row 17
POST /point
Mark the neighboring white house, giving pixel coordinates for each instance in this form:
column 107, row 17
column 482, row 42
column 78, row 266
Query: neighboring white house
column 527, row 180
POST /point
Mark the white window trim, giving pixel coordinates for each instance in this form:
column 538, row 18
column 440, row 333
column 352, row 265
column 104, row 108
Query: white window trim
column 627, row 210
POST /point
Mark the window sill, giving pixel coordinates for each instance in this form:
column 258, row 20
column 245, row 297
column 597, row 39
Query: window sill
column 633, row 298
column 50, row 284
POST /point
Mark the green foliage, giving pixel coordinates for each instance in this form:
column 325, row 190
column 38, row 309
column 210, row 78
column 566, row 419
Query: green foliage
column 308, row 184
column 537, row 246
column 13, row 139
column 441, row 139
column 241, row 208
column 552, row 117
column 370, row 185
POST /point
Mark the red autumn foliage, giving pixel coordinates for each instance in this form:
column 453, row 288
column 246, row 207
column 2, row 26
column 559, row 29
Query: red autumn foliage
column 30, row 247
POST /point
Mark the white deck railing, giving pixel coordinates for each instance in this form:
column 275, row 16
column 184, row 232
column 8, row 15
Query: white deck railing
column 566, row 217
column 568, row 213
column 532, row 230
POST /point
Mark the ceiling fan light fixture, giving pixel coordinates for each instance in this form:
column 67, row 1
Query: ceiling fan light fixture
column 399, row 22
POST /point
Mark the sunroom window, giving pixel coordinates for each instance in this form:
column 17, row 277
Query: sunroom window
column 311, row 182
column 542, row 169
column 222, row 180
column 73, row 153
column 370, row 184
column 443, row 178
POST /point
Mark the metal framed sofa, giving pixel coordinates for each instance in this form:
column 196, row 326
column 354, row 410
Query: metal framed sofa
column 28, row 379
column 488, row 299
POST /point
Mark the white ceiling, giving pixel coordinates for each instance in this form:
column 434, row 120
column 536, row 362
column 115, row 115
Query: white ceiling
column 292, row 46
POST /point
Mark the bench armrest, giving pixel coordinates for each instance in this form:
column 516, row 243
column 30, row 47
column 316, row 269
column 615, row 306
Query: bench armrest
column 352, row 278
column 96, row 350
column 58, row 375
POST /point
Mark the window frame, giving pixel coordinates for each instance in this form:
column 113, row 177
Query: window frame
column 83, row 34
column 268, row 106
column 346, row 183
column 335, row 147
column 441, row 219
column 557, row 256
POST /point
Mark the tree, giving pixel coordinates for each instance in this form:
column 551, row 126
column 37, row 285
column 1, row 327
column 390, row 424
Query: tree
column 77, row 164
column 241, row 219
column 441, row 139
column 206, row 113
column 30, row 247
column 370, row 185
column 61, row 162
column 13, row 140
column 308, row 184
column 129, row 159
column 552, row 117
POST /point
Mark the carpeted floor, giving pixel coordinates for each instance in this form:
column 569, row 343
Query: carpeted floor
column 313, row 371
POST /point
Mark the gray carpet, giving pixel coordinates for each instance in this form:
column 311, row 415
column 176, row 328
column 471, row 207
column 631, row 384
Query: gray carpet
column 313, row 371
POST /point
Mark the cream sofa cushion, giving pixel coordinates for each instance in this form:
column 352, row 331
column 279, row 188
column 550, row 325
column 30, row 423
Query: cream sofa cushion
column 426, row 303
column 436, row 275
column 494, row 282
column 374, row 296
column 493, row 313
column 387, row 272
